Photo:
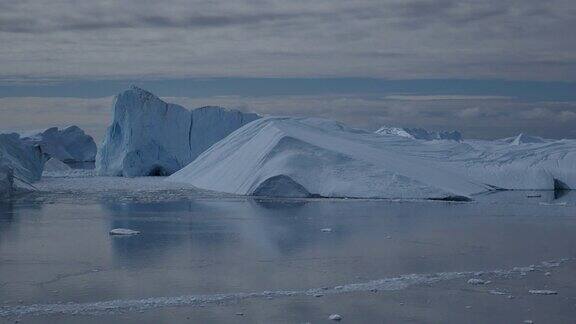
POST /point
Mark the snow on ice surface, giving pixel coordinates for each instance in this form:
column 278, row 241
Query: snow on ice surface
column 151, row 137
column 325, row 158
column 25, row 160
column 136, row 305
column 70, row 144
column 55, row 165
column 420, row 133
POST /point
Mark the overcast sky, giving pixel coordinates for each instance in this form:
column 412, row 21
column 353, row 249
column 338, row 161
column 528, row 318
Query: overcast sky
column 67, row 42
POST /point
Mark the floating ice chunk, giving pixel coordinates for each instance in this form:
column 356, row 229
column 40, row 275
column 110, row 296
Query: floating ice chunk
column 560, row 204
column 477, row 281
column 335, row 317
column 543, row 292
column 326, row 230
column 123, row 231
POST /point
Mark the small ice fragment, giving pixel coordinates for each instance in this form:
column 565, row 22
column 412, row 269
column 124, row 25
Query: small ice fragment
column 326, row 230
column 335, row 317
column 533, row 195
column 123, row 231
column 528, row 322
column 239, row 314
column 554, row 204
column 497, row 292
column 543, row 292
column 318, row 295
column 547, row 274
column 476, row 281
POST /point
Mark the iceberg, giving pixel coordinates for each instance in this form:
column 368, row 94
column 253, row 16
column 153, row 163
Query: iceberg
column 420, row 133
column 310, row 157
column 6, row 181
column 26, row 161
column 55, row 165
column 151, row 137
column 70, row 144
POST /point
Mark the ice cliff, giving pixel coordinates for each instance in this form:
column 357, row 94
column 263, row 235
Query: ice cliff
column 306, row 157
column 70, row 144
column 420, row 133
column 151, row 137
column 24, row 161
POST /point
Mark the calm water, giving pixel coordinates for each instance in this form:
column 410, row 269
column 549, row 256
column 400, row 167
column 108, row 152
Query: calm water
column 61, row 252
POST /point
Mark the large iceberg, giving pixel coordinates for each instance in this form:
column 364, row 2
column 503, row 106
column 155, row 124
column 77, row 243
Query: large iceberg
column 70, row 144
column 151, row 137
column 420, row 133
column 307, row 157
column 26, row 161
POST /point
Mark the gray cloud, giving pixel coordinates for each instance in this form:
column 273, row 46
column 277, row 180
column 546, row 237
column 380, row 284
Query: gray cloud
column 512, row 39
column 476, row 116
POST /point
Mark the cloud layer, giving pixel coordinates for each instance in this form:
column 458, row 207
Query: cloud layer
column 477, row 117
column 513, row 39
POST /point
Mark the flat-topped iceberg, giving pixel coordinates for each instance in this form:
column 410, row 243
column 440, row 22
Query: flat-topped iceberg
column 420, row 133
column 307, row 157
column 70, row 144
column 151, row 137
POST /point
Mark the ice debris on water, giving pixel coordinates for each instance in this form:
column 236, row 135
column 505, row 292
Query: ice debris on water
column 477, row 281
column 543, row 292
column 335, row 317
column 326, row 230
column 123, row 231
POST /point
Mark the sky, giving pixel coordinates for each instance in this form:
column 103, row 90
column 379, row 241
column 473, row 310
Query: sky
column 489, row 68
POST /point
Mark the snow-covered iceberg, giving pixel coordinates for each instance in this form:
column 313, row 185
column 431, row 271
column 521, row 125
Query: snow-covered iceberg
column 151, row 137
column 306, row 157
column 25, row 160
column 420, row 133
column 70, row 144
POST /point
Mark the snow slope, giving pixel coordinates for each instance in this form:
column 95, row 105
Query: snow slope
column 55, row 165
column 524, row 139
column 303, row 157
column 26, row 161
column 420, row 133
column 70, row 144
column 151, row 137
